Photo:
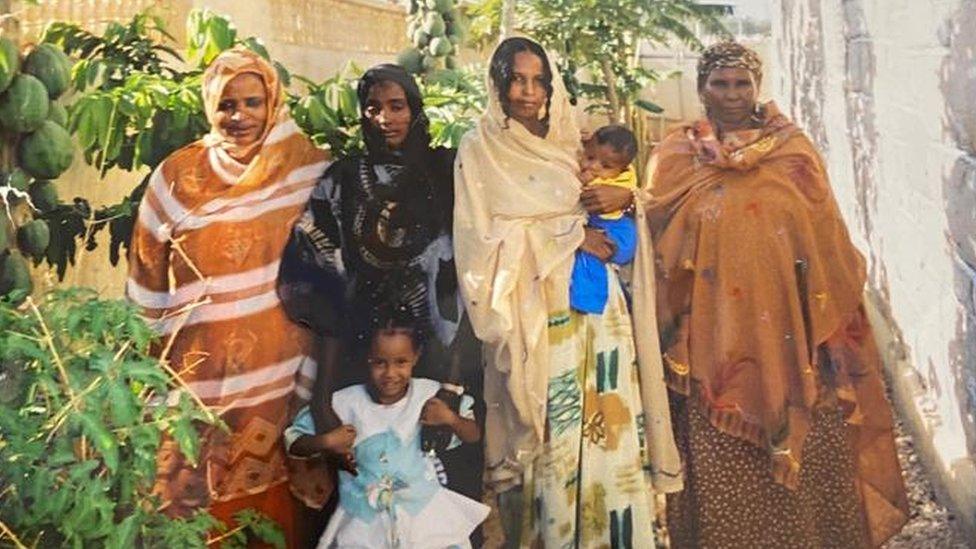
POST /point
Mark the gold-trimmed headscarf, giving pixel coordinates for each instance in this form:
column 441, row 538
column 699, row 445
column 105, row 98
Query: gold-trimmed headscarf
column 227, row 66
column 728, row 55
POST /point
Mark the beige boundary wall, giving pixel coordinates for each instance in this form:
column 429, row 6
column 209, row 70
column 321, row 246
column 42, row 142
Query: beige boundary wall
column 887, row 89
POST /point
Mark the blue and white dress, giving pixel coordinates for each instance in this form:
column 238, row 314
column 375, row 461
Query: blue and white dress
column 395, row 500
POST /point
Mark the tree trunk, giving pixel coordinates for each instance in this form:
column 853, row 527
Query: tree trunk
column 611, row 81
column 508, row 18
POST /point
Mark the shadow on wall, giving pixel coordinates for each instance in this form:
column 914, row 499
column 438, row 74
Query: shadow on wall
column 958, row 85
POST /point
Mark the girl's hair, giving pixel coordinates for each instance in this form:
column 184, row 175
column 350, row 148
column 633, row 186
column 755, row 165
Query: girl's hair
column 398, row 320
column 503, row 66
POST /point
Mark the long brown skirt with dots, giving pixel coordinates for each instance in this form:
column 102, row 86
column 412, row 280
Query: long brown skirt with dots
column 731, row 501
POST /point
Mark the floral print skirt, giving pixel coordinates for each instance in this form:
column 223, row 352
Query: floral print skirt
column 589, row 487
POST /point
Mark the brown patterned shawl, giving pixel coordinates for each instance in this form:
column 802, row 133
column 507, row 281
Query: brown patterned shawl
column 760, row 300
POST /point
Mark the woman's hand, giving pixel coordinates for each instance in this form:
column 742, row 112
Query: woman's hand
column 601, row 199
column 597, row 243
column 437, row 413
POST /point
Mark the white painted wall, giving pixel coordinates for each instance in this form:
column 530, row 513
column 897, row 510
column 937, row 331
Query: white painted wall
column 887, row 88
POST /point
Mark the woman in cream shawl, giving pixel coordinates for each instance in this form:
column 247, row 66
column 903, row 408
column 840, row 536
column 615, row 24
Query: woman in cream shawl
column 575, row 422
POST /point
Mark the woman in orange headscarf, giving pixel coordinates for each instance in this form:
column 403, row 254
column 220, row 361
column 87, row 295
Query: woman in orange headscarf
column 779, row 408
column 203, row 265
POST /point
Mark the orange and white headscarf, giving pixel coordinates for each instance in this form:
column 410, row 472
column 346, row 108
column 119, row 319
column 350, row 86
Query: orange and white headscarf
column 227, row 66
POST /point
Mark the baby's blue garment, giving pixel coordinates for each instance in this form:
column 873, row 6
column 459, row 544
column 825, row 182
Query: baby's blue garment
column 588, row 287
column 391, row 475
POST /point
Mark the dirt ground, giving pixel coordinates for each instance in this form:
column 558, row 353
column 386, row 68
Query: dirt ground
column 931, row 525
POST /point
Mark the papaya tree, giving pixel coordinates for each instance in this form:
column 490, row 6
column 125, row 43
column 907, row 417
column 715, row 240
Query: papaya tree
column 597, row 43
column 36, row 149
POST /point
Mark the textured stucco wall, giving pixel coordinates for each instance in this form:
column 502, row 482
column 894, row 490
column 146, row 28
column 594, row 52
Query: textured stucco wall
column 887, row 88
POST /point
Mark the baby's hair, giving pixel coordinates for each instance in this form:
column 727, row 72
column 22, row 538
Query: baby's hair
column 397, row 320
column 620, row 138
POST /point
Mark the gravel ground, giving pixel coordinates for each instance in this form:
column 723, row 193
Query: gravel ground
column 930, row 525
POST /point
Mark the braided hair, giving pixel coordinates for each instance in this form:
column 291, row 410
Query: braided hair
column 502, row 67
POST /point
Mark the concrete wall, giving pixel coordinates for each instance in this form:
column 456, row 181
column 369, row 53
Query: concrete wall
column 887, row 89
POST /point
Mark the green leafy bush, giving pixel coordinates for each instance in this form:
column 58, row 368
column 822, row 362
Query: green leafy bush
column 81, row 419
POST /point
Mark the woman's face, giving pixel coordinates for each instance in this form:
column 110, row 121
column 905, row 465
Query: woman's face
column 527, row 92
column 388, row 112
column 242, row 112
column 391, row 358
column 730, row 95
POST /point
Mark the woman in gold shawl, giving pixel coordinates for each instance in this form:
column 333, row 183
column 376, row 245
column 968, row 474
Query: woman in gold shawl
column 577, row 424
column 778, row 404
column 203, row 265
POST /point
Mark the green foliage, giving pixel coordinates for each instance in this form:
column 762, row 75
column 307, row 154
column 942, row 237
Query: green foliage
column 485, row 20
column 208, row 34
column 138, row 122
column 453, row 99
column 602, row 39
column 80, row 426
column 9, row 62
column 106, row 61
column 329, row 112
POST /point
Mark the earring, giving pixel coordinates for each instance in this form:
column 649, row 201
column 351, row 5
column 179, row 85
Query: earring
column 757, row 113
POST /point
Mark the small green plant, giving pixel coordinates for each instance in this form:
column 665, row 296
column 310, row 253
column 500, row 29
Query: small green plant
column 82, row 413
column 453, row 100
column 328, row 112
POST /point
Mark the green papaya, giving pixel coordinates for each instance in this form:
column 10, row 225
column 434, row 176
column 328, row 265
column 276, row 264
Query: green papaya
column 58, row 114
column 23, row 107
column 420, row 38
column 9, row 62
column 14, row 275
column 44, row 196
column 429, row 63
column 3, row 237
column 440, row 46
column 46, row 153
column 441, row 6
column 451, row 63
column 17, row 179
column 434, row 24
column 34, row 237
column 51, row 66
column 411, row 59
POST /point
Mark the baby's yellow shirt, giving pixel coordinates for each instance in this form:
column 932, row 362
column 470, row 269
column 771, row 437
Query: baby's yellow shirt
column 626, row 179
